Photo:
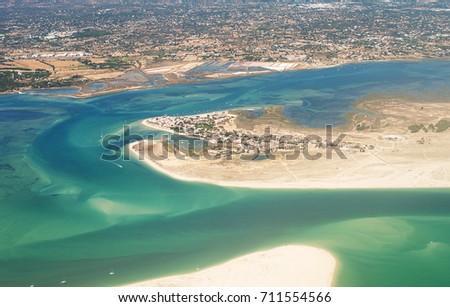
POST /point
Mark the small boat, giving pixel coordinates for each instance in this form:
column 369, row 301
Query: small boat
column 111, row 273
column 63, row 282
column 118, row 165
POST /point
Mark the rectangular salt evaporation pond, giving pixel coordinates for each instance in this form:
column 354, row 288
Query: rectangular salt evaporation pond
column 210, row 67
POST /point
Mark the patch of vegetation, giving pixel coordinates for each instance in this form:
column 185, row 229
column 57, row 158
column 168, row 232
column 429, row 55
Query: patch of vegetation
column 78, row 47
column 442, row 125
column 148, row 52
column 160, row 54
column 362, row 127
column 54, row 43
column 91, row 33
column 38, row 74
column 252, row 58
column 416, row 128
column 111, row 63
column 7, row 81
column 16, row 68
column 11, row 80
column 57, row 83
column 14, row 80
column 205, row 126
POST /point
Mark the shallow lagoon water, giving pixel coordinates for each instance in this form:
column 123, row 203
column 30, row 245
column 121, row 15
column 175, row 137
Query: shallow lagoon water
column 67, row 215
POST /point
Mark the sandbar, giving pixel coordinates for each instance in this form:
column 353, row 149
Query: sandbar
column 285, row 266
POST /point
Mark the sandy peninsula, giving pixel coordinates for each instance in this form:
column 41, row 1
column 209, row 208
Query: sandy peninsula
column 286, row 266
column 391, row 143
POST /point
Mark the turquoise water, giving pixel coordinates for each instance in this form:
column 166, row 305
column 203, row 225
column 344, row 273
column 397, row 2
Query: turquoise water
column 67, row 215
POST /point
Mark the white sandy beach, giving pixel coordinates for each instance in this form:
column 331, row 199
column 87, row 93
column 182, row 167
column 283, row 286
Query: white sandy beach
column 156, row 127
column 286, row 266
column 369, row 172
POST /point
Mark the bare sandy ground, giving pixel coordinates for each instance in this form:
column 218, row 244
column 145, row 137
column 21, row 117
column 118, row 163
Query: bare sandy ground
column 286, row 266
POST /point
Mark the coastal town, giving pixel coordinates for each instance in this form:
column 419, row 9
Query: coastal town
column 164, row 43
column 222, row 137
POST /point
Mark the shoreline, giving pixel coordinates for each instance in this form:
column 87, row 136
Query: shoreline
column 284, row 266
column 154, row 127
column 298, row 67
column 314, row 185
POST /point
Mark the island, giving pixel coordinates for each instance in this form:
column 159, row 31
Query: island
column 388, row 142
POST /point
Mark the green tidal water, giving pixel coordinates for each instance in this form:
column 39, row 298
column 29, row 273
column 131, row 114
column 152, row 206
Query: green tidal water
column 67, row 215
